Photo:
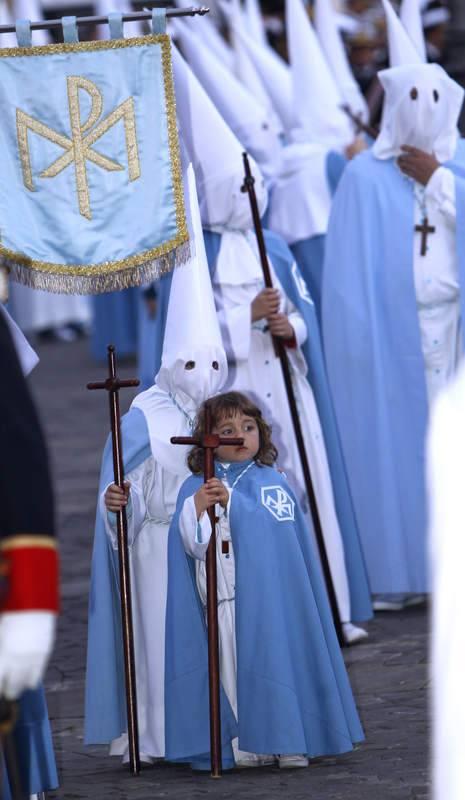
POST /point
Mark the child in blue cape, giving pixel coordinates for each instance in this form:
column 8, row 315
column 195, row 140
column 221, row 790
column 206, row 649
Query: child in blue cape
column 285, row 688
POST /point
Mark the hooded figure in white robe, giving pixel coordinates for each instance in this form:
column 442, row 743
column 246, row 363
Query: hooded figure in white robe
column 193, row 368
column 392, row 313
column 237, row 281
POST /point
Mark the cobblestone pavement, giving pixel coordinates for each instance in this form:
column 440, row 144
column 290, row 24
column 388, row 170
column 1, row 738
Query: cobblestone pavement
column 388, row 674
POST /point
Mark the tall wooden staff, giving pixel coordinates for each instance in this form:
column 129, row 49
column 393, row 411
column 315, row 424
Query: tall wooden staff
column 209, row 442
column 112, row 385
column 281, row 353
column 361, row 126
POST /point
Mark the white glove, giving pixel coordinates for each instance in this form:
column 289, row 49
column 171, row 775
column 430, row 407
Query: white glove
column 26, row 642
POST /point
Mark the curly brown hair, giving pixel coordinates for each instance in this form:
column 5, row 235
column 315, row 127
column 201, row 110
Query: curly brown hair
column 225, row 406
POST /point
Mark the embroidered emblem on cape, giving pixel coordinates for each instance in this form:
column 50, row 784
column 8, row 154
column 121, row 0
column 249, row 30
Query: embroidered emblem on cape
column 277, row 501
column 301, row 285
column 79, row 147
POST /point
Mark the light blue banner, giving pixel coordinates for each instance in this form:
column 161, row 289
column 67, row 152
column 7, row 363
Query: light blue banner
column 91, row 195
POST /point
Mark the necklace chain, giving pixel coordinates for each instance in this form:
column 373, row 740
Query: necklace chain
column 241, row 473
column 189, row 419
column 420, row 197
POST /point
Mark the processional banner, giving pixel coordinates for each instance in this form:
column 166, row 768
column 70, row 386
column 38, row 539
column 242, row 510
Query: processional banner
column 91, row 195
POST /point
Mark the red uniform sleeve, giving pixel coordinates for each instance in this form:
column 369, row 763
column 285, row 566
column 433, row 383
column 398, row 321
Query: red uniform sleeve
column 30, row 568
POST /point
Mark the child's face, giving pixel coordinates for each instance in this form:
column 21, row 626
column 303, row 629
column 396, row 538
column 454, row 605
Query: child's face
column 238, row 427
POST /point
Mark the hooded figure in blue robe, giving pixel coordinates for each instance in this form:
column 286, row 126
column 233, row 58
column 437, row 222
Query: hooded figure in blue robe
column 392, row 311
column 293, row 693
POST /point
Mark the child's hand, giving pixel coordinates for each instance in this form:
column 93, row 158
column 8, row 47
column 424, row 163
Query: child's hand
column 265, row 303
column 116, row 498
column 209, row 494
column 280, row 326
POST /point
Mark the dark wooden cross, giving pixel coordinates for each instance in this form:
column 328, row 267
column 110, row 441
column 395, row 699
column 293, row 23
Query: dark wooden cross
column 209, row 442
column 112, row 385
column 425, row 228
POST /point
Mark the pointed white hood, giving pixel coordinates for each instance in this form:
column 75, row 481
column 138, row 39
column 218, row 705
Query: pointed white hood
column 274, row 74
column 410, row 15
column 192, row 332
column 215, row 152
column 210, row 35
column 317, row 100
column 421, row 108
column 329, row 36
column 194, row 363
column 254, row 21
column 248, row 120
column 402, row 51
column 244, row 68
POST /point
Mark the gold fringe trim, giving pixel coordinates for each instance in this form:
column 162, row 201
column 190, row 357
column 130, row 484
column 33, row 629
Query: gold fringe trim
column 84, row 47
column 94, row 282
column 28, row 540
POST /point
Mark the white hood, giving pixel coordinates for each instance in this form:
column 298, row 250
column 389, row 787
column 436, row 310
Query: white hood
column 421, row 108
column 317, row 100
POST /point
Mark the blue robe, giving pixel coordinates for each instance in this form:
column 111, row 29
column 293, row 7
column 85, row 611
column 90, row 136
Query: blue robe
column 105, row 704
column 310, row 253
column 33, row 742
column 115, row 321
column 375, row 362
column 293, row 692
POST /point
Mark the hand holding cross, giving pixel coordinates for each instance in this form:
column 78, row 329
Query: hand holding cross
column 112, row 385
column 209, row 442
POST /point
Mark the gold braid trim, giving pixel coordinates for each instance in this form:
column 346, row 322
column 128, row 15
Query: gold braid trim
column 133, row 270
column 27, row 540
column 83, row 47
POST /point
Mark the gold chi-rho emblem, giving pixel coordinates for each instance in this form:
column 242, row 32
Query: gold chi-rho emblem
column 79, row 146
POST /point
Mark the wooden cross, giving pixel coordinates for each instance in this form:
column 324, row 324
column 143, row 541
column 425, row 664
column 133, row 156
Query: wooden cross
column 425, row 228
column 209, row 442
column 112, row 385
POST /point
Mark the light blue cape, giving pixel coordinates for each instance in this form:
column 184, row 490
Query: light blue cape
column 375, row 362
column 310, row 253
column 105, row 704
column 293, row 691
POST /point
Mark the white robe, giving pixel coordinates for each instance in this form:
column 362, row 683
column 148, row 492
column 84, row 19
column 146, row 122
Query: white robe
column 196, row 537
column 446, row 464
column 255, row 370
column 153, row 496
column 436, row 282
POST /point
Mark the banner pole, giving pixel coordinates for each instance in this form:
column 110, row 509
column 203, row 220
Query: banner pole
column 133, row 16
